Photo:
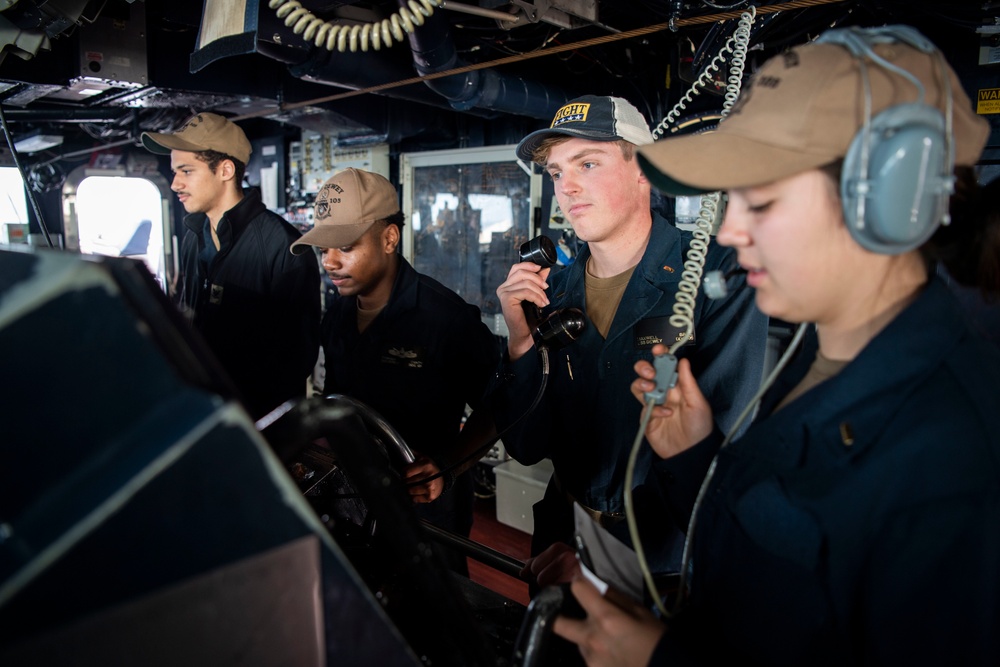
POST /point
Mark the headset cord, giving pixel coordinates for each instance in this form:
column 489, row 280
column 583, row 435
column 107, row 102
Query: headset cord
column 692, row 521
column 703, row 489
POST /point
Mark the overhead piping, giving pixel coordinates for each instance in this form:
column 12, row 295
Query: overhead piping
column 548, row 51
column 479, row 11
column 434, row 51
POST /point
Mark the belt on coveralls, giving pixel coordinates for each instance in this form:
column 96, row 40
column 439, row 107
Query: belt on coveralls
column 604, row 519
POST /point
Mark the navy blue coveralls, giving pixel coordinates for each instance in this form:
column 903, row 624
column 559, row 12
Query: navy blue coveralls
column 859, row 524
column 587, row 419
column 418, row 364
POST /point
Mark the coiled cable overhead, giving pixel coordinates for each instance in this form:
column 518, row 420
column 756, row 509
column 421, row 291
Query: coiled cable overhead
column 330, row 36
column 738, row 45
column 687, row 289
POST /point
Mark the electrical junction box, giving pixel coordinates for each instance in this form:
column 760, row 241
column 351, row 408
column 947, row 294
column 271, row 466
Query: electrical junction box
column 13, row 232
column 319, row 156
column 518, row 488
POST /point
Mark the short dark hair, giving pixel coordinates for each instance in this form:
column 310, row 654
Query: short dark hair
column 214, row 158
column 397, row 219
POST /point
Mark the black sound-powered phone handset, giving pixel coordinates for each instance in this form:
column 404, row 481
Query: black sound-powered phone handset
column 541, row 251
column 562, row 326
column 715, row 287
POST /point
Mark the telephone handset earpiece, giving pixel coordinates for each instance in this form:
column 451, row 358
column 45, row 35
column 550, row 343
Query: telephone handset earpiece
column 559, row 327
column 541, row 251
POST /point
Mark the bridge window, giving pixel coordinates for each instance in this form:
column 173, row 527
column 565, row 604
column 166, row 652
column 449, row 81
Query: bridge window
column 13, row 207
column 122, row 217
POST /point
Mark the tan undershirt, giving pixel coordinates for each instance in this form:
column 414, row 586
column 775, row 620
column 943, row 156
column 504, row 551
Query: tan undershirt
column 822, row 369
column 603, row 296
column 365, row 317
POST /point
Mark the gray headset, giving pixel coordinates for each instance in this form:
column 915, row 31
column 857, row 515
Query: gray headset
column 898, row 174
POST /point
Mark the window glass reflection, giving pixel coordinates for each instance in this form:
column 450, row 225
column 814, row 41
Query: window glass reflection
column 468, row 221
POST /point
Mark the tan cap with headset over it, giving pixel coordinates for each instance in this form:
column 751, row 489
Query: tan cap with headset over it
column 801, row 111
column 347, row 205
column 203, row 132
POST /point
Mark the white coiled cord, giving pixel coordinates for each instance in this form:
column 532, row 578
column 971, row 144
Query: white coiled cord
column 738, row 45
column 741, row 44
column 687, row 288
column 343, row 37
column 694, row 264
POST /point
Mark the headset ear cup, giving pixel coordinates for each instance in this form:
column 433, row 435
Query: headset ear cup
column 903, row 198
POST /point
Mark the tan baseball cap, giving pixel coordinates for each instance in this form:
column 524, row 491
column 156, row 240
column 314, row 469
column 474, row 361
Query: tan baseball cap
column 801, row 111
column 347, row 205
column 203, row 132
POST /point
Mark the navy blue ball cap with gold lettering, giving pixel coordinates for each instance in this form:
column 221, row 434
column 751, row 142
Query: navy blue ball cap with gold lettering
column 597, row 118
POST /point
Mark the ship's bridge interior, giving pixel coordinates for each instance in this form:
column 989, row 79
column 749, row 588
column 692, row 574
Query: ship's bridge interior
column 140, row 504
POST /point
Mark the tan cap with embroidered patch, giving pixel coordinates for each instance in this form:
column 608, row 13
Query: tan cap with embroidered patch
column 347, row 205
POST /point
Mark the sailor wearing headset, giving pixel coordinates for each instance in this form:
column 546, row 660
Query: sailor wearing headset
column 855, row 522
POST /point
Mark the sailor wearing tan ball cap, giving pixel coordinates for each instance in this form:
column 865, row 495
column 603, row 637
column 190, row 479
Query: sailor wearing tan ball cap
column 400, row 342
column 855, row 520
column 256, row 306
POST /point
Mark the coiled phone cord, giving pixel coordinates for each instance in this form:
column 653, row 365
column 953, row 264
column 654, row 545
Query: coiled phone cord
column 341, row 37
column 687, row 290
column 738, row 45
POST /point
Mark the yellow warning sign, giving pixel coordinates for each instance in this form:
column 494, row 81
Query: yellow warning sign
column 988, row 101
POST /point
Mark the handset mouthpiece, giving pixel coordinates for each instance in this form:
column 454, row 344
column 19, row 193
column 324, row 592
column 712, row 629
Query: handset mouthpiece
column 666, row 378
column 560, row 328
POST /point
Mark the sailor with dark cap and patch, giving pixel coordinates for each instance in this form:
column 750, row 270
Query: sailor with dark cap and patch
column 625, row 281
column 855, row 521
column 400, row 342
column 257, row 306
